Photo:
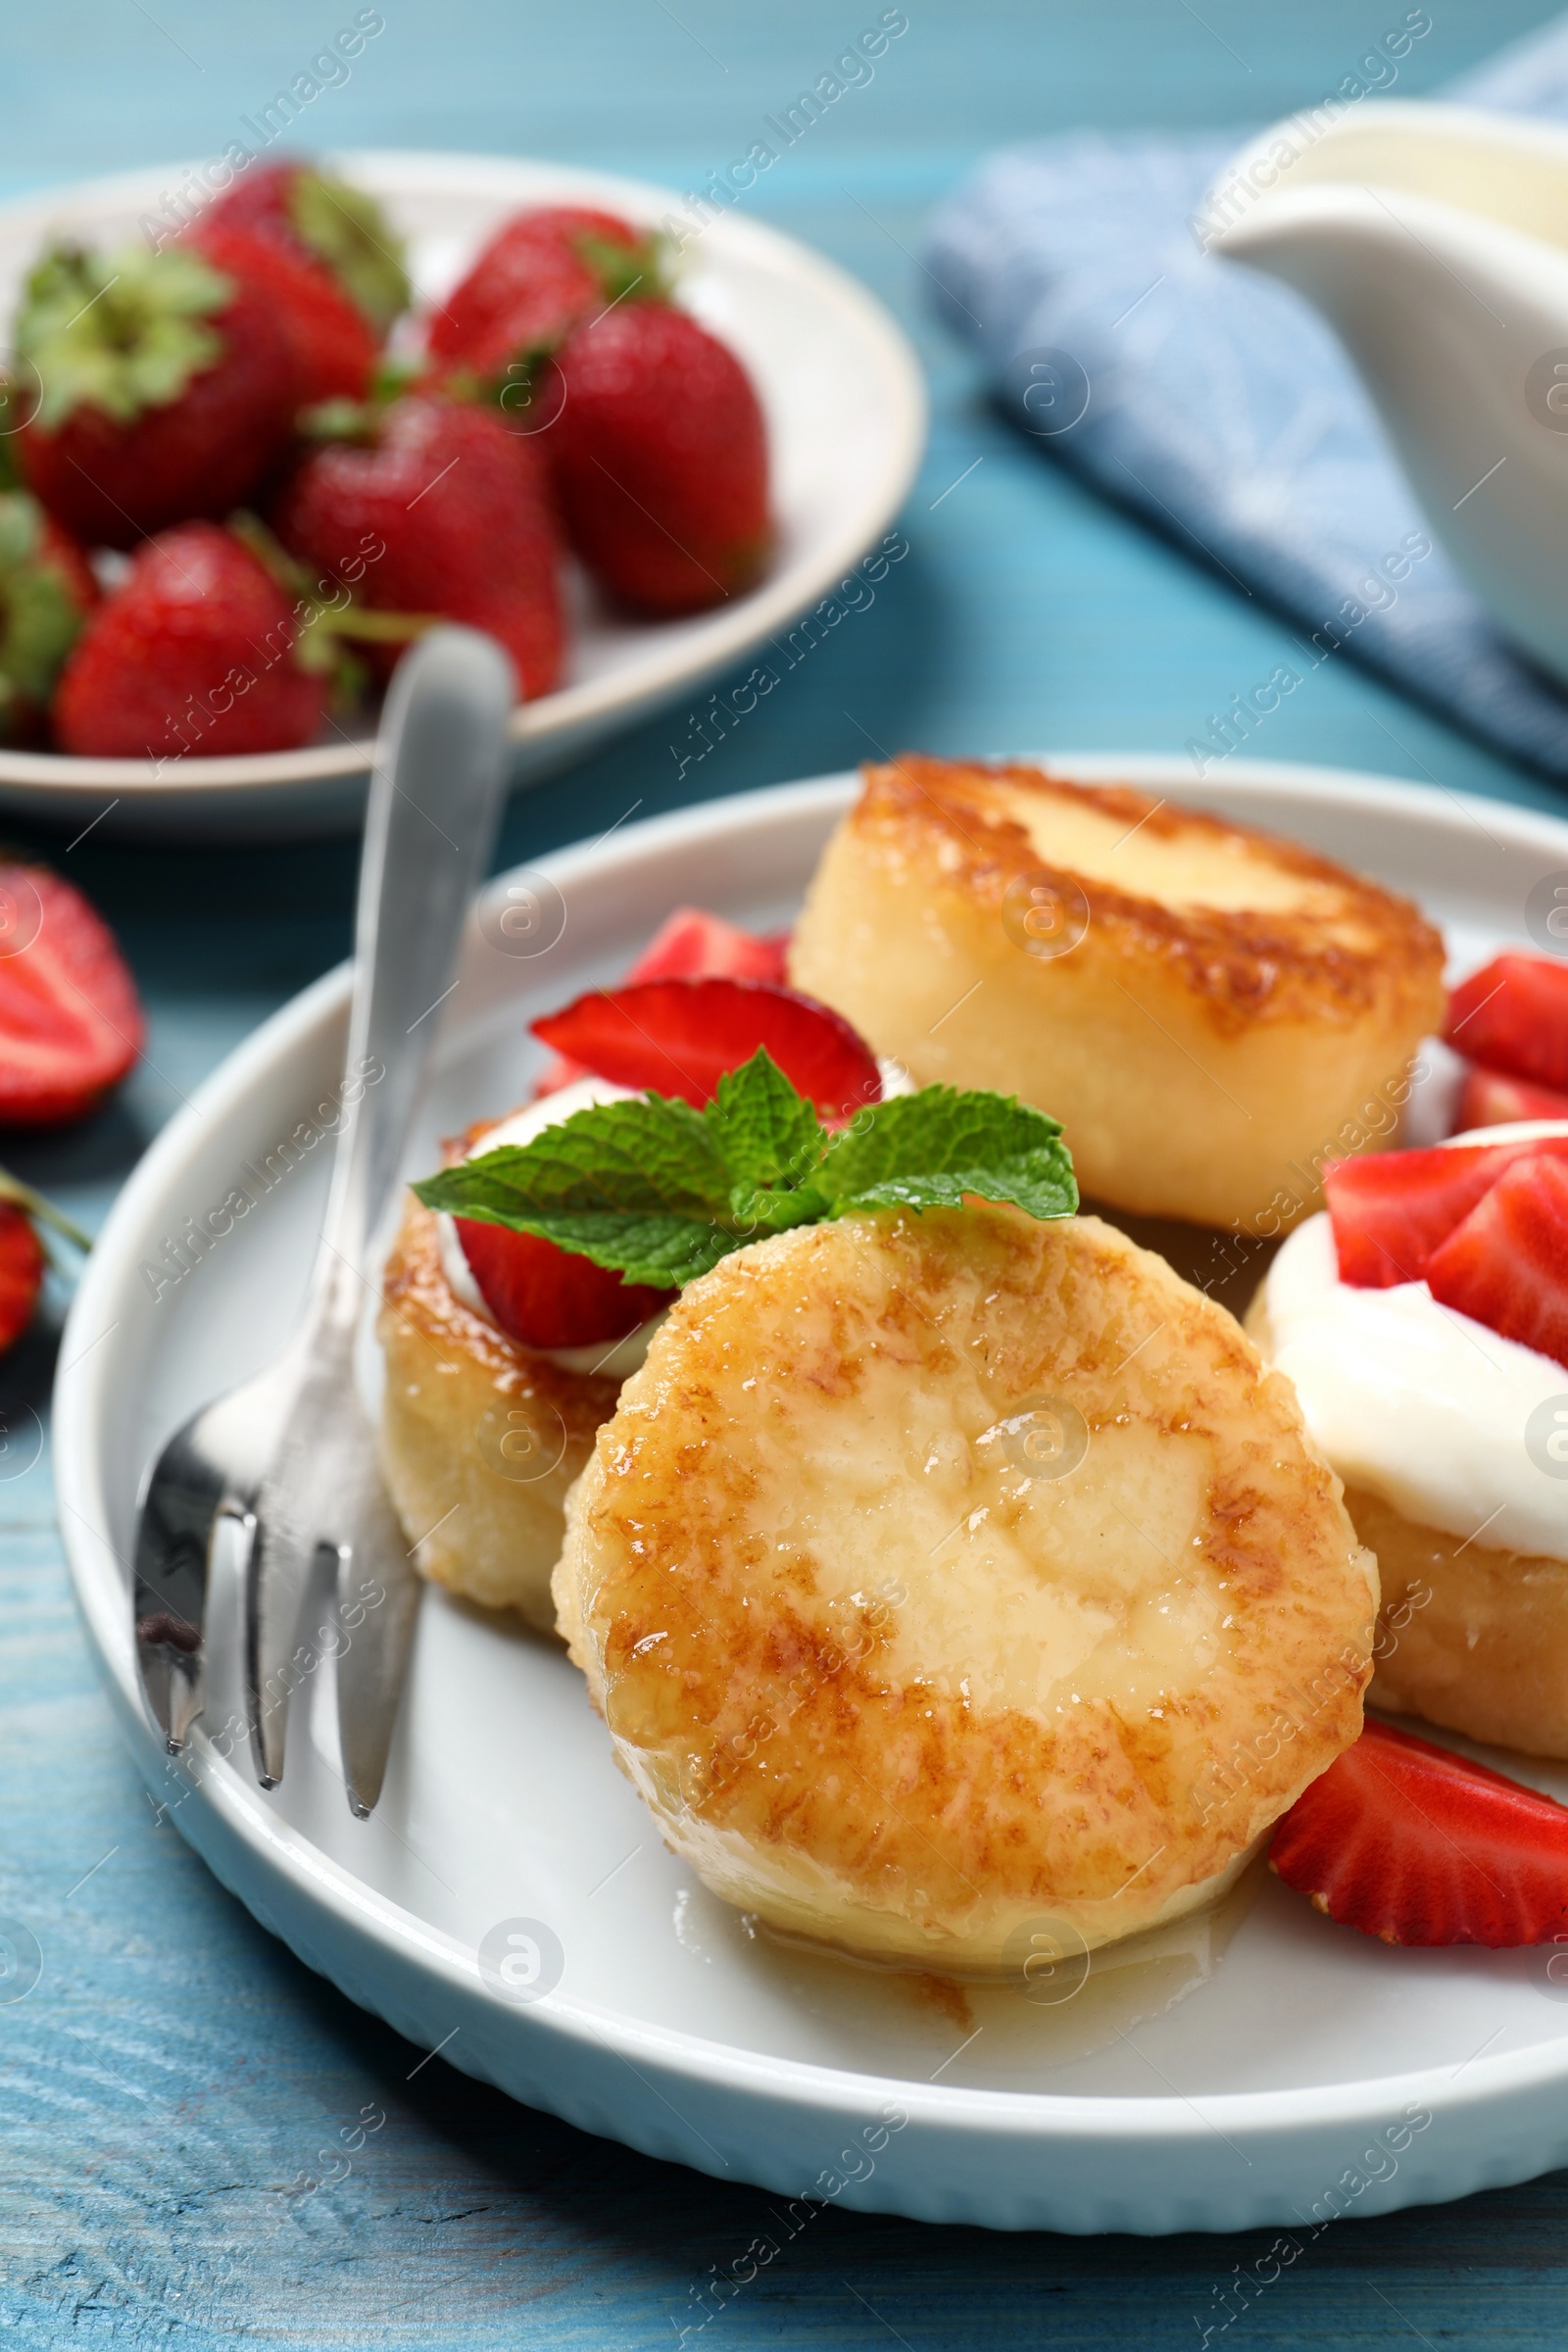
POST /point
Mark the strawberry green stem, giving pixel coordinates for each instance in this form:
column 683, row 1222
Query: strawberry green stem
column 374, row 628
column 41, row 1211
column 345, row 620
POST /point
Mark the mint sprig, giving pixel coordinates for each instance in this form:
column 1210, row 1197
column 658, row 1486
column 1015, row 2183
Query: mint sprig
column 658, row 1192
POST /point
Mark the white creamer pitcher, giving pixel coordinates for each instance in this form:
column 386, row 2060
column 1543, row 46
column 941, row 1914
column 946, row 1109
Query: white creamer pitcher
column 1434, row 240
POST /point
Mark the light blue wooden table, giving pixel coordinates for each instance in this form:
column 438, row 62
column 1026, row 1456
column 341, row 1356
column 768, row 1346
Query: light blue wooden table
column 165, row 2088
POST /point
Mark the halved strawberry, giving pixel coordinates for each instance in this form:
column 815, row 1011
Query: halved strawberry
column 21, row 1272
column 1391, row 1209
column 1414, row 1845
column 1490, row 1099
column 1507, row 1266
column 689, row 945
column 693, row 945
column 70, row 1021
column 542, row 1297
column 678, row 1037
column 1513, row 1016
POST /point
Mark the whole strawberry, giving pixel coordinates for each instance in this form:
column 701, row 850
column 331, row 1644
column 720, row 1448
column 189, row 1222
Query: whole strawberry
column 325, row 221
column 194, row 653
column 542, row 274
column 166, row 389
column 46, row 591
column 503, row 355
column 334, row 348
column 458, row 507
column 659, row 461
column 70, row 1021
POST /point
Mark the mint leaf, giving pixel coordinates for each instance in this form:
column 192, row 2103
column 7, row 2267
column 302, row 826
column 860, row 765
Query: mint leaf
column 639, row 1187
column 646, row 1157
column 770, row 1209
column 927, row 1150
column 768, row 1134
column 658, row 1192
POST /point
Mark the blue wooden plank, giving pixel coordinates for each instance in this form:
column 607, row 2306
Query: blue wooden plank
column 170, row 2082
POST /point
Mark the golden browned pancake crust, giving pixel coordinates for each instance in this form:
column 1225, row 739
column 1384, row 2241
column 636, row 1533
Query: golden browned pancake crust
column 480, row 1439
column 1236, row 1011
column 885, row 1681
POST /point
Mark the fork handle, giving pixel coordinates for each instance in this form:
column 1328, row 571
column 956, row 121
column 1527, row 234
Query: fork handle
column 435, row 795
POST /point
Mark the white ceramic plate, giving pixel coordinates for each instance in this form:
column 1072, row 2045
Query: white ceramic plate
column 1301, row 2062
column 846, row 413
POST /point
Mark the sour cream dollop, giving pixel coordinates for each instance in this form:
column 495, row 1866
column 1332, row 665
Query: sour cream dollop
column 1416, row 1403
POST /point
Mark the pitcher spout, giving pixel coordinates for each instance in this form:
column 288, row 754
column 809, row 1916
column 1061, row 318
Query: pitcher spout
column 1418, row 233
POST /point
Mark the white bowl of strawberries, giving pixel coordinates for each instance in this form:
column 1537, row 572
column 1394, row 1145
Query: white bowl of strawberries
column 247, row 455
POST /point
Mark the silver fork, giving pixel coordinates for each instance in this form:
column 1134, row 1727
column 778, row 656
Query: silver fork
column 284, row 1467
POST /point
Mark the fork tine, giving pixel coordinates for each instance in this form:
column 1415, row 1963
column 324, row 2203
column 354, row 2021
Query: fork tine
column 174, row 1551
column 277, row 1577
column 377, row 1606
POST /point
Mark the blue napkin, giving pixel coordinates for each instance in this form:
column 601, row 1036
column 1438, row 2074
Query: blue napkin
column 1219, row 402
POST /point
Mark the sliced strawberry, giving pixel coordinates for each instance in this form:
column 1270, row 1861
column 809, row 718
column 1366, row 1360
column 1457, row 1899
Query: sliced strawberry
column 689, row 945
column 70, row 1022
column 21, row 1271
column 1492, row 1098
column 1415, row 1845
column 1507, row 1266
column 678, row 1037
column 1391, row 1209
column 1513, row 1016
column 542, row 1297
column 693, row 945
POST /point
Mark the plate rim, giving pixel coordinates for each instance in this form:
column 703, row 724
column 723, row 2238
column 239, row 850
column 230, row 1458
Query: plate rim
column 1163, row 2120
column 560, row 713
